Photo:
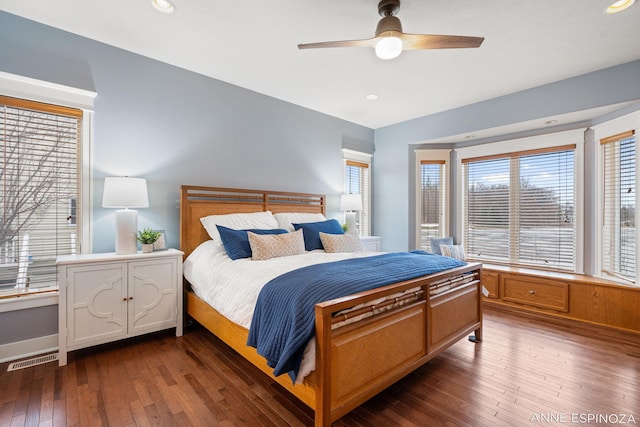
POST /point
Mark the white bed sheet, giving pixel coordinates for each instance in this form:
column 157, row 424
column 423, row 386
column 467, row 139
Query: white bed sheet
column 232, row 286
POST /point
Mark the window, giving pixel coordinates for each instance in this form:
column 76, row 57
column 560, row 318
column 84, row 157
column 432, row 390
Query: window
column 432, row 196
column 618, row 247
column 431, row 201
column 40, row 185
column 520, row 208
column 357, row 181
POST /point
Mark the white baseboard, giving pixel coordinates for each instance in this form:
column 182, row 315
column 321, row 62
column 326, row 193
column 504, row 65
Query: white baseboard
column 27, row 348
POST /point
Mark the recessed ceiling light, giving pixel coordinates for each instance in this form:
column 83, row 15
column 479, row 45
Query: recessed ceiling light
column 164, row 6
column 372, row 97
column 619, row 6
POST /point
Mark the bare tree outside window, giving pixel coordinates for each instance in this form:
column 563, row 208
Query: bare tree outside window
column 38, row 177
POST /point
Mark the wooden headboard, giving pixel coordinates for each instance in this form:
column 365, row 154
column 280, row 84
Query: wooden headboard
column 197, row 202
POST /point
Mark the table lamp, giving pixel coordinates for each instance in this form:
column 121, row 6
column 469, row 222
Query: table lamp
column 125, row 193
column 350, row 203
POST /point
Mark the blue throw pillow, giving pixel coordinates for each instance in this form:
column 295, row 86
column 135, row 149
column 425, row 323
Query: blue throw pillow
column 435, row 244
column 311, row 232
column 236, row 242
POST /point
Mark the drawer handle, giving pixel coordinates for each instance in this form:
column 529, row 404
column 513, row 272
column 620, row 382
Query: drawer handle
column 532, row 292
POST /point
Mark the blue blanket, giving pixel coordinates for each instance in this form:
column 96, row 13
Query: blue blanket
column 284, row 319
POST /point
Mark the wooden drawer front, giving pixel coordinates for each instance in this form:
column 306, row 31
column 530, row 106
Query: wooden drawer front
column 536, row 292
column 490, row 282
column 451, row 312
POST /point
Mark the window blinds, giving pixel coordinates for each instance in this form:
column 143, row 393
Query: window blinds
column 431, row 201
column 39, row 179
column 619, row 194
column 357, row 182
column 519, row 208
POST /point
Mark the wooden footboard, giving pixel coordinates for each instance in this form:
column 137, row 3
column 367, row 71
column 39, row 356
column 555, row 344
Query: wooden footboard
column 355, row 361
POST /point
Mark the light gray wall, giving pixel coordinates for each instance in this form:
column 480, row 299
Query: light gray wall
column 174, row 127
column 392, row 208
column 31, row 323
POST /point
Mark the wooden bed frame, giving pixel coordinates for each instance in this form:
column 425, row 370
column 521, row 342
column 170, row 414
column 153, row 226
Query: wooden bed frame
column 356, row 361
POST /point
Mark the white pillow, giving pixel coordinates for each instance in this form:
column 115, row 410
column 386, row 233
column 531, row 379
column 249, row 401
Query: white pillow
column 341, row 243
column 287, row 219
column 266, row 246
column 238, row 221
column 453, row 251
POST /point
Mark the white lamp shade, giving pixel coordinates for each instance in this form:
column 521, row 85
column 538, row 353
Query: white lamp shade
column 351, row 202
column 125, row 192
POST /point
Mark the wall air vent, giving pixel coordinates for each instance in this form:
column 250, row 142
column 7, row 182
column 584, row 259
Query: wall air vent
column 32, row 362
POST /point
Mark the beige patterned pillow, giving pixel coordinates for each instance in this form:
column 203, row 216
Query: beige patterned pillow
column 341, row 243
column 266, row 246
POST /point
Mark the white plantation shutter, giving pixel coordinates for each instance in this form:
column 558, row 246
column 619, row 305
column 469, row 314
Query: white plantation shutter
column 619, row 194
column 520, row 208
column 39, row 180
column 431, row 201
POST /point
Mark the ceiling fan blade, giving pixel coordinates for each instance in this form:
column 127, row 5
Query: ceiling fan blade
column 340, row 43
column 436, row 41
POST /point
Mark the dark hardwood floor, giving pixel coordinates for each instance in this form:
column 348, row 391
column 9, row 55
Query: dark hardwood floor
column 526, row 372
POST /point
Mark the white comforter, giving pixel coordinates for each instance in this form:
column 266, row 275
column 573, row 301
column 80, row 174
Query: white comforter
column 232, row 286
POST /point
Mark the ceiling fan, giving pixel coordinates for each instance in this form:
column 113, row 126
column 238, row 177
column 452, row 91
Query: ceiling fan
column 389, row 40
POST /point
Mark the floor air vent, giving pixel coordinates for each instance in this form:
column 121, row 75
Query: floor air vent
column 32, row 362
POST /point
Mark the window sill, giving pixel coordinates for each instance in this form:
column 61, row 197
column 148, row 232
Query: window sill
column 28, row 301
column 557, row 275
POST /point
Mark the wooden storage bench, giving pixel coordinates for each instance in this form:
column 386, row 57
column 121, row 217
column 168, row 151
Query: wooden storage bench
column 562, row 295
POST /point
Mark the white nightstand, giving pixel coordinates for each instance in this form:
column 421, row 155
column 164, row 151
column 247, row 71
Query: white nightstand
column 108, row 297
column 371, row 243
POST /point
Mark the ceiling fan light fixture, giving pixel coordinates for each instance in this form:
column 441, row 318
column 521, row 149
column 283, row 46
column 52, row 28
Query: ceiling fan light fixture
column 619, row 6
column 164, row 6
column 388, row 47
column 389, row 39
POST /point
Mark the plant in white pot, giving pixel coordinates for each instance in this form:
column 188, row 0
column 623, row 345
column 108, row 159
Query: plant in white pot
column 147, row 238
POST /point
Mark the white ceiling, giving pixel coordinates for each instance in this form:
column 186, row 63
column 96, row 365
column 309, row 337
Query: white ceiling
column 253, row 44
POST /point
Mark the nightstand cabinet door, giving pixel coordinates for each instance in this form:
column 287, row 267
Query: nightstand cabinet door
column 97, row 303
column 152, row 296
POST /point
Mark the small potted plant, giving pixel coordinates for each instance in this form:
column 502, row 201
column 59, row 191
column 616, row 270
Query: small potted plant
column 148, row 237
